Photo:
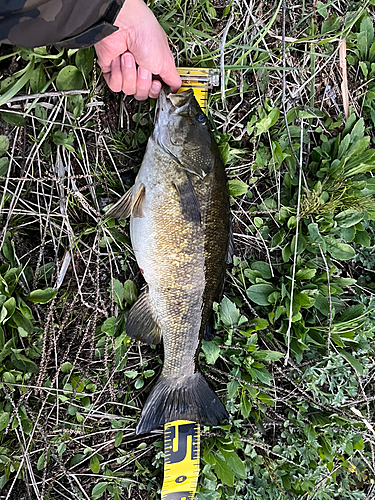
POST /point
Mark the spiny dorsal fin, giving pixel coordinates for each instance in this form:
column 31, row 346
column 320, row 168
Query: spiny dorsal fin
column 138, row 202
column 126, row 205
column 141, row 324
column 188, row 200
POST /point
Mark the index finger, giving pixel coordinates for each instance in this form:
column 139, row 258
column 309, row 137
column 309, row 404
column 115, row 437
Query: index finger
column 170, row 76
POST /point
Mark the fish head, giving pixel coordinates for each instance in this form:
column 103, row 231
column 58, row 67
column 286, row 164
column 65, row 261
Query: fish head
column 183, row 131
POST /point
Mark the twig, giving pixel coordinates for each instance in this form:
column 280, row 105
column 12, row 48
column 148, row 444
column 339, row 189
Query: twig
column 295, row 250
column 47, row 94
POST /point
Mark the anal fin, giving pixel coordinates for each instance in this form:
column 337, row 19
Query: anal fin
column 141, row 324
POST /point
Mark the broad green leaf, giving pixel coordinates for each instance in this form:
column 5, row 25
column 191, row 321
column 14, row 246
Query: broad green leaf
column 352, row 360
column 40, row 463
column 264, row 268
column 85, row 61
column 66, row 367
column 139, row 383
column 4, row 166
column 98, row 490
column 245, row 405
column 351, row 313
column 348, row 234
column 263, row 375
column 267, row 356
column 94, row 464
column 267, row 122
column 321, row 304
column 366, row 36
column 277, row 239
column 118, row 292
column 38, row 79
column 14, row 119
column 232, row 388
column 259, row 293
column 362, row 238
column 61, row 139
column 130, row 292
column 10, row 306
column 305, row 274
column 4, row 420
column 235, row 463
column 4, row 144
column 42, row 296
column 108, row 326
column 348, row 218
column 131, row 373
column 8, row 250
column 69, row 78
column 23, row 363
column 304, row 300
column 237, row 187
column 338, row 250
column 118, row 438
column 224, row 472
column 229, row 314
column 61, row 449
column 211, row 351
column 20, row 320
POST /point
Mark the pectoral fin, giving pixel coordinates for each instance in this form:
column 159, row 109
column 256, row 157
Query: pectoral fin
column 188, row 200
column 138, row 202
column 142, row 324
column 128, row 204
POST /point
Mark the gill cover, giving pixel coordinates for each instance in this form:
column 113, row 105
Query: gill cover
column 182, row 130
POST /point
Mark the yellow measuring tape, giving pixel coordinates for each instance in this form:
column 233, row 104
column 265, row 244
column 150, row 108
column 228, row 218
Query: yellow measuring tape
column 181, row 461
column 181, row 437
column 200, row 80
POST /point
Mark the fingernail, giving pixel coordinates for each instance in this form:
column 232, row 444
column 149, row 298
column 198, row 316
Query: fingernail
column 143, row 73
column 116, row 62
column 128, row 60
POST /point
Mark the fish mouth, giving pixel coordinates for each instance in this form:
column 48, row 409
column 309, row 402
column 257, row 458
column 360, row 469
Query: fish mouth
column 169, row 103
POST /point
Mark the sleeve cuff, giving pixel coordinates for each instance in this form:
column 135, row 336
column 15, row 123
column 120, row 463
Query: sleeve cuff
column 95, row 33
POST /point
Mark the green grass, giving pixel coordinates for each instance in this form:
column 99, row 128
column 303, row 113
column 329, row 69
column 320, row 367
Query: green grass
column 293, row 355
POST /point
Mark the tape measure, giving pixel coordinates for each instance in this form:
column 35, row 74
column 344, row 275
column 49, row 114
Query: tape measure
column 200, row 80
column 182, row 437
column 181, row 460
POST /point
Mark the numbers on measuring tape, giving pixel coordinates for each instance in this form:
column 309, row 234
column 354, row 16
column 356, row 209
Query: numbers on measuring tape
column 181, row 495
column 181, row 462
column 181, row 442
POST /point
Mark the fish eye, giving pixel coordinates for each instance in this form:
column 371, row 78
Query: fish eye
column 201, row 119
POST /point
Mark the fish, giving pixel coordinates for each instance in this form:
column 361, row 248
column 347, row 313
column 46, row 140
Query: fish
column 180, row 232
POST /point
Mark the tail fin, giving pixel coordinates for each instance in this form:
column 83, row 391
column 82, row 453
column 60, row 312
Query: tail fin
column 183, row 398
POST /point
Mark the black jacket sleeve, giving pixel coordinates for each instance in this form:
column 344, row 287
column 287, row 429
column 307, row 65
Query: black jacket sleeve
column 67, row 23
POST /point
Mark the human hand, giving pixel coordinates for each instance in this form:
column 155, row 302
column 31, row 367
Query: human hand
column 139, row 40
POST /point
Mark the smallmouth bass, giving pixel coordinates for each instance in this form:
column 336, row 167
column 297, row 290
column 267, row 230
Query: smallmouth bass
column 181, row 236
